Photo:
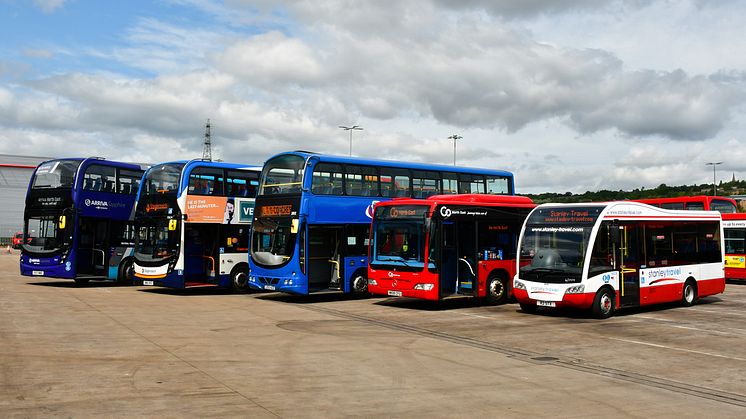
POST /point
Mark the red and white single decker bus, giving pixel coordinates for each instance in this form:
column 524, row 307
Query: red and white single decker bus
column 604, row 256
column 734, row 232
column 446, row 245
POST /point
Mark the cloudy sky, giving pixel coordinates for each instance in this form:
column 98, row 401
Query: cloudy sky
column 570, row 95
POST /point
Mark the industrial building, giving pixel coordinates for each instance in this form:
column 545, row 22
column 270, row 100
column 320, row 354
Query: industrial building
column 15, row 173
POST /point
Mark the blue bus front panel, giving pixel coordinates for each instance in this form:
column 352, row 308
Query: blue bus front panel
column 52, row 267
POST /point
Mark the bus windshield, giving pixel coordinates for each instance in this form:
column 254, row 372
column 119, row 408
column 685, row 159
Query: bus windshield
column 155, row 241
column 282, row 175
column 723, row 206
column 162, row 178
column 556, row 241
column 399, row 236
column 44, row 235
column 55, row 174
column 400, row 243
column 273, row 240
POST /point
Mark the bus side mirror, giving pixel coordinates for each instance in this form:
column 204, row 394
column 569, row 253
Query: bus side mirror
column 62, row 222
column 427, row 224
column 172, row 225
column 294, row 226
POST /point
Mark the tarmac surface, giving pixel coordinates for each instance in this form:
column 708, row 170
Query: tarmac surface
column 106, row 351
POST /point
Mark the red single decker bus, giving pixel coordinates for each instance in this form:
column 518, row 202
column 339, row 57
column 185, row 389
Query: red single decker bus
column 446, row 245
column 734, row 232
column 722, row 204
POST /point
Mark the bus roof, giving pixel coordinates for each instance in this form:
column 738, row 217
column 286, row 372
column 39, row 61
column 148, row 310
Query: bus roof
column 465, row 199
column 329, row 158
column 633, row 210
column 86, row 161
column 199, row 162
column 691, row 198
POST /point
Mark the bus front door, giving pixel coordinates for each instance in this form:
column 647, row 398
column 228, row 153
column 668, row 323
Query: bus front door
column 93, row 247
column 324, row 269
column 202, row 255
column 466, row 247
column 448, row 260
column 629, row 267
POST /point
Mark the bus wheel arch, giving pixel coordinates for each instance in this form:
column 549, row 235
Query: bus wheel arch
column 604, row 303
column 359, row 283
column 124, row 276
column 497, row 287
column 240, row 277
column 689, row 292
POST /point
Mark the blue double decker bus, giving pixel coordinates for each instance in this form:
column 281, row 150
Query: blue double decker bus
column 193, row 220
column 313, row 214
column 78, row 219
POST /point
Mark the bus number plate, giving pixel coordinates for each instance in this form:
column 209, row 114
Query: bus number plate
column 269, row 287
column 546, row 303
column 395, row 293
column 37, row 273
column 147, row 282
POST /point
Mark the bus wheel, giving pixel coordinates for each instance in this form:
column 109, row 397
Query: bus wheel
column 359, row 285
column 497, row 290
column 240, row 278
column 123, row 276
column 528, row 307
column 689, row 294
column 603, row 304
column 81, row 281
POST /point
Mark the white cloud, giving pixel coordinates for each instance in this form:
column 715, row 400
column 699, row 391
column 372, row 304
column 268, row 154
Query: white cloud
column 48, row 6
column 563, row 112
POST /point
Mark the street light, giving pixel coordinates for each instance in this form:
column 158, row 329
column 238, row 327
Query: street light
column 454, row 137
column 714, row 181
column 352, row 128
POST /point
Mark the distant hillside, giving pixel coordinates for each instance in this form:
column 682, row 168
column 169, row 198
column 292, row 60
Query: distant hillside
column 737, row 187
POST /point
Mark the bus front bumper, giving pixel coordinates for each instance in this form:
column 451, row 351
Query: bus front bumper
column 581, row 301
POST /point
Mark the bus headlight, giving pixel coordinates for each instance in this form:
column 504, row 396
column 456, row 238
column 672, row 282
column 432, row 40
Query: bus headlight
column 372, row 282
column 577, row 289
column 424, row 287
column 518, row 285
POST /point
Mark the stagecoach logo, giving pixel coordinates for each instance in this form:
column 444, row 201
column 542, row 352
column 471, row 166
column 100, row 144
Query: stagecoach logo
column 369, row 210
column 445, row 212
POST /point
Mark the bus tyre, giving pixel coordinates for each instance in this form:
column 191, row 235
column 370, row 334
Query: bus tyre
column 529, row 307
column 497, row 289
column 689, row 293
column 124, row 276
column 240, row 278
column 359, row 285
column 603, row 304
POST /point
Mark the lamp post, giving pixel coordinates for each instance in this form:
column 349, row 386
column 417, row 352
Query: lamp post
column 352, row 128
column 714, row 179
column 454, row 137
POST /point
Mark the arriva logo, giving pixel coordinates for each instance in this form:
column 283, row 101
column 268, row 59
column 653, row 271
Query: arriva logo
column 369, row 210
column 445, row 212
column 96, row 203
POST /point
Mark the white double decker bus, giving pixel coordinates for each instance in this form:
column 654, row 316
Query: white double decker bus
column 605, row 256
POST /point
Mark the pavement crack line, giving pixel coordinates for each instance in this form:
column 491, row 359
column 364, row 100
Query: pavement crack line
column 177, row 357
column 526, row 356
